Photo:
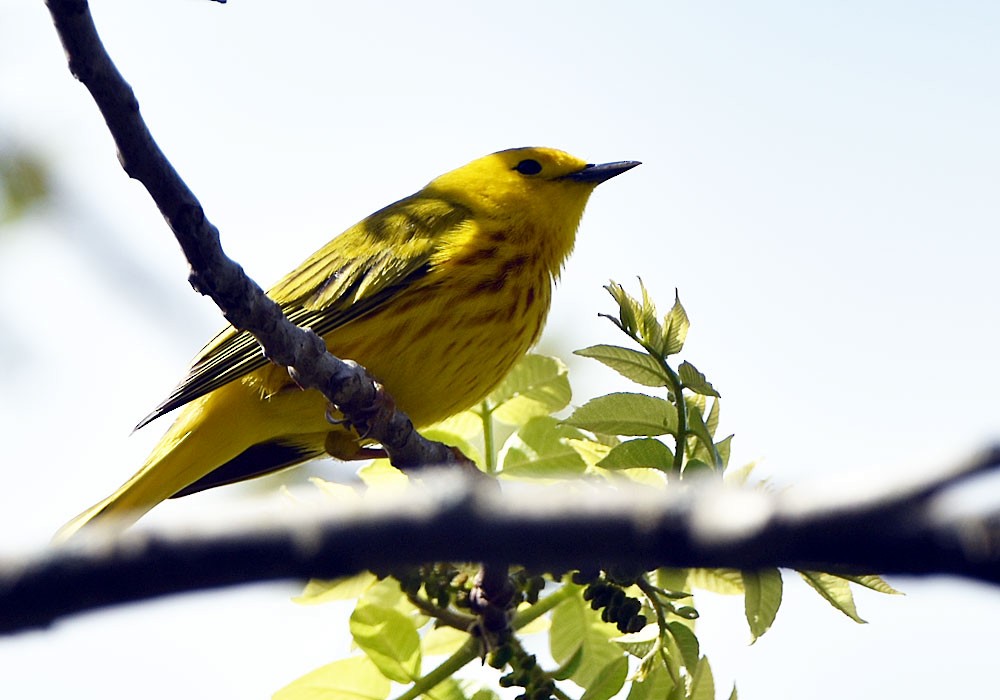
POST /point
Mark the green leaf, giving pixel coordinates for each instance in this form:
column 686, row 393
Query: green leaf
column 467, row 425
column 836, row 591
column 686, row 612
column 537, row 386
column 673, row 664
column 738, row 476
column 569, row 625
column 762, row 598
column 448, row 689
column 687, row 642
column 698, row 458
column 380, row 474
column 655, row 685
column 390, row 640
column 576, row 627
column 724, row 581
column 322, row 591
column 540, row 625
column 567, row 669
column 703, row 686
column 631, row 364
column 641, row 452
column 696, row 402
column 626, row 414
column 590, row 451
column 642, row 476
column 628, row 308
column 483, row 694
column 538, row 450
column 733, row 695
column 697, row 468
column 675, row 326
column 443, row 641
column 650, row 329
column 608, row 680
column 712, row 422
column 696, row 426
column 695, row 380
column 724, row 447
column 355, row 678
column 639, row 644
column 387, row 594
column 875, row 583
column 674, row 580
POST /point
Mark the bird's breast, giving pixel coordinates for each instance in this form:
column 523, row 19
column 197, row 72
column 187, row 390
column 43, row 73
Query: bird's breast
column 445, row 342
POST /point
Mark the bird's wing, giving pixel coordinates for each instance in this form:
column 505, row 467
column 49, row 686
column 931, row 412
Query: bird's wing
column 353, row 275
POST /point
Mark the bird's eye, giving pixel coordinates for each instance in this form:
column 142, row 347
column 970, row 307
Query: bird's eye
column 528, row 166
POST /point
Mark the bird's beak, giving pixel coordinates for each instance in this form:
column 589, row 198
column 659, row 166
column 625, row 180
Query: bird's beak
column 599, row 173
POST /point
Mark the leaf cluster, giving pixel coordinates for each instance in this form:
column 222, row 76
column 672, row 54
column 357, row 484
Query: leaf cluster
column 606, row 626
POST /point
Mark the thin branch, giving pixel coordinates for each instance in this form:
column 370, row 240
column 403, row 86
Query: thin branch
column 447, row 616
column 242, row 301
column 450, row 517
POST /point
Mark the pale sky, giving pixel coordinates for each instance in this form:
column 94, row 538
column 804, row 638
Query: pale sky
column 819, row 181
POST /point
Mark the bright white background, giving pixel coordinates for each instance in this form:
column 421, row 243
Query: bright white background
column 820, row 182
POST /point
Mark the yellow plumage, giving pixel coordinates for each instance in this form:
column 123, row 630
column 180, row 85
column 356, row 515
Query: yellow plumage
column 437, row 295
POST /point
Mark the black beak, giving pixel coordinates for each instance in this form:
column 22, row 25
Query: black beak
column 599, row 173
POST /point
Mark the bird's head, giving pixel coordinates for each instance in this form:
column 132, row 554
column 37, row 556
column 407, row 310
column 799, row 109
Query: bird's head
column 529, row 188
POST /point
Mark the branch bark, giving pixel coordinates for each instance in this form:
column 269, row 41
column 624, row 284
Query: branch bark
column 451, row 517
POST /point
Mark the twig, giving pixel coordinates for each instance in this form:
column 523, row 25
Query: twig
column 446, row 615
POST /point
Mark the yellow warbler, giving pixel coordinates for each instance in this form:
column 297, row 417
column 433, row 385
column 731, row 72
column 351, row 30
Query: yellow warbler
column 437, row 295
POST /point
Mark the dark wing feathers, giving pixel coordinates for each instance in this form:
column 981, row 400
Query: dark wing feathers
column 257, row 460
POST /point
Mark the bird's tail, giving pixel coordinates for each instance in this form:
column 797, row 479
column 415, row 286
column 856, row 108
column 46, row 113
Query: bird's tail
column 182, row 457
column 210, row 444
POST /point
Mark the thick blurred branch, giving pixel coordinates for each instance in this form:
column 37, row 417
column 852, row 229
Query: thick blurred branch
column 450, row 517
column 242, row 301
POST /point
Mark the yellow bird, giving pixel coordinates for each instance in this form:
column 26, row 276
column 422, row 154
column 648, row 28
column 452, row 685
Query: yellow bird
column 437, row 295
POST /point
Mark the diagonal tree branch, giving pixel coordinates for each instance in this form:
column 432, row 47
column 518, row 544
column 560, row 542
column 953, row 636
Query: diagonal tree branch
column 451, row 517
column 242, row 301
